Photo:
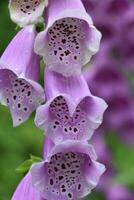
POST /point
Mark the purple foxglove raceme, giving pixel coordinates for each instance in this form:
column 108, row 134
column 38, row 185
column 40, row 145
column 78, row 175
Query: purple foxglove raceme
column 19, row 71
column 25, row 12
column 70, row 38
column 25, row 190
column 70, row 171
column 71, row 112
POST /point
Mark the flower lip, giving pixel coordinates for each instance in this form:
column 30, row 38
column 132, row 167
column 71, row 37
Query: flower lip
column 67, row 173
column 70, row 38
column 26, row 12
column 59, row 123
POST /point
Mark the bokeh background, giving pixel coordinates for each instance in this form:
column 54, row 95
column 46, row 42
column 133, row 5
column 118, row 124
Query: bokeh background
column 110, row 76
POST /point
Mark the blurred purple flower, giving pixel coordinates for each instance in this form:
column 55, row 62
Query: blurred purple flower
column 117, row 192
column 19, row 73
column 70, row 171
column 126, row 128
column 114, row 18
column 26, row 12
column 119, row 107
column 108, row 17
column 105, row 80
column 126, row 53
column 70, row 38
column 71, row 112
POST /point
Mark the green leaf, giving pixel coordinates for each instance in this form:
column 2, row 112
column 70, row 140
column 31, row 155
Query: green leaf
column 17, row 28
column 95, row 196
column 123, row 160
column 40, row 26
column 26, row 165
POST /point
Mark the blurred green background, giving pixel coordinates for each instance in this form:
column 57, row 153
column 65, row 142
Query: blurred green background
column 16, row 144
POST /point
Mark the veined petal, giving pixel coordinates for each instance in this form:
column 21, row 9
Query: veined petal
column 19, row 55
column 25, row 190
column 47, row 146
column 70, row 39
column 66, row 172
column 19, row 71
column 74, row 86
column 26, row 12
column 71, row 112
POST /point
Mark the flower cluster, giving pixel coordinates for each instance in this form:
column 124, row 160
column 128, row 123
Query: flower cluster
column 66, row 110
column 108, row 79
column 114, row 63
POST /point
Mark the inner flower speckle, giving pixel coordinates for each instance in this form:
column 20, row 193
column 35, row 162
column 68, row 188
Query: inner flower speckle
column 64, row 174
column 27, row 6
column 72, row 127
column 19, row 95
column 66, row 41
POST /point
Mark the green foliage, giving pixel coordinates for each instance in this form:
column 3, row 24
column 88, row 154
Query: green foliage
column 123, row 160
column 95, row 196
column 15, row 146
column 26, row 165
column 7, row 28
column 40, row 27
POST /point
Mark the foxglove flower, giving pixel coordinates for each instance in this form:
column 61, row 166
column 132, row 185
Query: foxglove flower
column 70, row 38
column 19, row 71
column 69, row 172
column 25, row 12
column 25, row 190
column 71, row 111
